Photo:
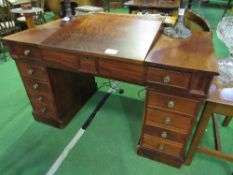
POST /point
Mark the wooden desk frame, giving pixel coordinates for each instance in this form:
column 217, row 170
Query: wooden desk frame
column 177, row 79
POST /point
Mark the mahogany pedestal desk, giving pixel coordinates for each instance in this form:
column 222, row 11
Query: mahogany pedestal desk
column 58, row 65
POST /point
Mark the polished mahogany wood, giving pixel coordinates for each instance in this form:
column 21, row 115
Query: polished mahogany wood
column 122, row 47
column 94, row 35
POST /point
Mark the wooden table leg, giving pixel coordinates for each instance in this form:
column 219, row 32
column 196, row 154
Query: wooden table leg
column 29, row 20
column 208, row 109
column 227, row 121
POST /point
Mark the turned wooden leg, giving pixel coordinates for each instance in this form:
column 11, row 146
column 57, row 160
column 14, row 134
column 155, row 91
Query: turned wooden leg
column 29, row 20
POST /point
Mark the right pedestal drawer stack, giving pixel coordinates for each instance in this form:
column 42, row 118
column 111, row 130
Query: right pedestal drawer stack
column 170, row 112
column 167, row 122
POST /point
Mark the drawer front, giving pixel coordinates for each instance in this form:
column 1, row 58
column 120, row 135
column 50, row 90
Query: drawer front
column 32, row 84
column 169, row 78
column 172, row 103
column 122, row 71
column 44, row 109
column 160, row 145
column 88, row 65
column 29, row 52
column 39, row 97
column 168, row 119
column 13, row 50
column 33, row 71
column 165, row 134
column 61, row 59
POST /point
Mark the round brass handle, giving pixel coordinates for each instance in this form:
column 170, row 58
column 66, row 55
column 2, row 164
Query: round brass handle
column 27, row 52
column 167, row 121
column 171, row 104
column 166, row 79
column 30, row 71
column 163, row 134
column 161, row 147
column 44, row 109
column 39, row 98
column 35, row 86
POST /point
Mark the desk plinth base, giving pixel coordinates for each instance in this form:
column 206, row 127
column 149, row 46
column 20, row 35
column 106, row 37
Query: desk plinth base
column 159, row 156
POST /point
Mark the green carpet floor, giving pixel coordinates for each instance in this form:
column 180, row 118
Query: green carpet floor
column 108, row 147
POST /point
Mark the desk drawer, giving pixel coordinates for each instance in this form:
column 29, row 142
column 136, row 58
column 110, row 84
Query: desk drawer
column 33, row 71
column 39, row 97
column 168, row 119
column 44, row 109
column 161, row 145
column 122, row 71
column 168, row 78
column 87, row 64
column 35, row 85
column 29, row 52
column 165, row 134
column 172, row 103
column 61, row 59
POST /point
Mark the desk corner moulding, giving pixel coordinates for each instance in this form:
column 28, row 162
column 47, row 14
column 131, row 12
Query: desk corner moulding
column 58, row 64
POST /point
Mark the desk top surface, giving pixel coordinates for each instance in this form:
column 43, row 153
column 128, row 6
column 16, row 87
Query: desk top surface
column 102, row 35
column 130, row 36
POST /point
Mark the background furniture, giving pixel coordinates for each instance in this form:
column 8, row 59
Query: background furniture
column 19, row 2
column 220, row 101
column 169, row 7
column 193, row 21
column 38, row 15
column 29, row 14
column 226, row 7
column 7, row 23
column 58, row 74
column 56, row 6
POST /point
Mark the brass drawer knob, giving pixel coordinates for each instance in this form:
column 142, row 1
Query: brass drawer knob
column 166, row 79
column 163, row 134
column 43, row 110
column 39, row 98
column 35, row 86
column 171, row 104
column 161, row 147
column 167, row 121
column 30, row 71
column 26, row 52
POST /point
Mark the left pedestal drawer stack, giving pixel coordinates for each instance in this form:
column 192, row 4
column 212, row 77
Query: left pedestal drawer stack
column 38, row 87
column 55, row 95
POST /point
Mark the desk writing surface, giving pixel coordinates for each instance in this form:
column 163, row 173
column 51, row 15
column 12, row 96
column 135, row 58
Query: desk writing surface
column 112, row 35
